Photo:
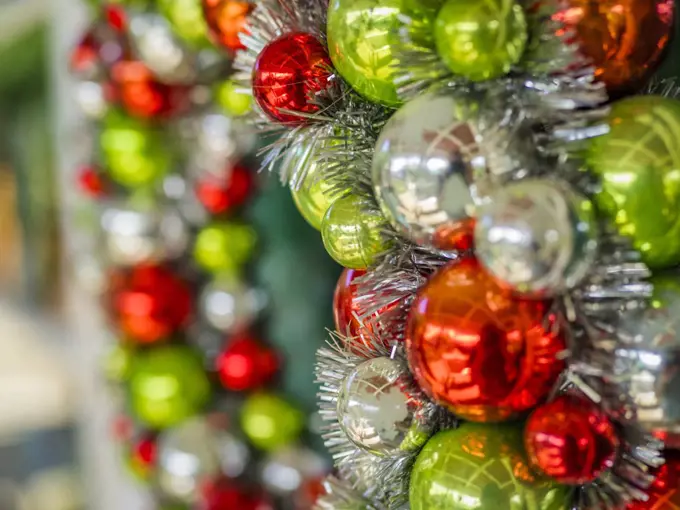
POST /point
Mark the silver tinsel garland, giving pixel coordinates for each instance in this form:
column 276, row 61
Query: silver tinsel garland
column 553, row 95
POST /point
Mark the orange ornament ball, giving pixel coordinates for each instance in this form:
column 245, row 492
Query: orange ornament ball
column 226, row 19
column 479, row 350
column 625, row 39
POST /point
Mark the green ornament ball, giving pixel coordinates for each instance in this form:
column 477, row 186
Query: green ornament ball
column 187, row 21
column 118, row 361
column 360, row 45
column 481, row 467
column 224, row 246
column 353, row 237
column 135, row 153
column 231, row 100
column 270, row 422
column 638, row 163
column 481, row 40
column 167, row 384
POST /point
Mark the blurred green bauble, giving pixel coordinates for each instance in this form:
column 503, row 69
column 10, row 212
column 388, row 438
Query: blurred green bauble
column 135, row 153
column 481, row 40
column 118, row 361
column 224, row 246
column 187, row 21
column 232, row 101
column 311, row 197
column 270, row 422
column 481, row 467
column 638, row 163
column 360, row 36
column 167, row 384
column 351, row 236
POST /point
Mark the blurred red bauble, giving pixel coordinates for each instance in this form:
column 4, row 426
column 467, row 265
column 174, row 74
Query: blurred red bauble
column 226, row 19
column 141, row 95
column 143, row 454
column 287, row 74
column 625, row 39
column 246, row 364
column 97, row 51
column 122, row 428
column 664, row 494
column 150, row 303
column 571, row 440
column 91, row 182
column 222, row 193
column 346, row 308
column 115, row 17
column 478, row 349
column 231, row 495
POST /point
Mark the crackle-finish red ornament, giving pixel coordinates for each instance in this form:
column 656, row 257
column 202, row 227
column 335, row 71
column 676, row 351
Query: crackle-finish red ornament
column 246, row 363
column 571, row 440
column 625, row 39
column 288, row 72
column 346, row 310
column 222, row 193
column 231, row 495
column 139, row 93
column 479, row 350
column 664, row 494
column 150, row 303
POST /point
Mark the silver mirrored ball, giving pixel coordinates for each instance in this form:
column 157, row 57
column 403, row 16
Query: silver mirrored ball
column 229, row 304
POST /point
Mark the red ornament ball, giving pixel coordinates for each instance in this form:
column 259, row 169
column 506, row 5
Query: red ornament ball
column 664, row 494
column 231, row 495
column 92, row 182
column 101, row 47
column 287, row 74
column 571, row 440
column 246, row 364
column 226, row 19
column 150, row 303
column 346, row 308
column 143, row 454
column 222, row 193
column 136, row 89
column 479, row 350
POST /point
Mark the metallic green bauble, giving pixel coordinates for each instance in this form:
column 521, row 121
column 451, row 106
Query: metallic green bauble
column 167, row 384
column 224, row 246
column 270, row 422
column 481, row 40
column 481, row 467
column 135, row 153
column 360, row 44
column 638, row 162
column 351, row 236
column 187, row 21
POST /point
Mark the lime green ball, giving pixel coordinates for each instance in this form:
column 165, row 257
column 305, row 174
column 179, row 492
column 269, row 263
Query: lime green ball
column 351, row 236
column 481, row 40
column 232, row 101
column 167, row 384
column 481, row 467
column 270, row 422
column 187, row 21
column 360, row 44
column 118, row 361
column 224, row 246
column 638, row 163
column 135, row 153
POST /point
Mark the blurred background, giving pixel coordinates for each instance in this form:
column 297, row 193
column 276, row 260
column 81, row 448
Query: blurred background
column 56, row 452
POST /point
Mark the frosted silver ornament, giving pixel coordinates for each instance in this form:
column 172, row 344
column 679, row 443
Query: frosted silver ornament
column 285, row 471
column 134, row 234
column 538, row 237
column 195, row 452
column 91, row 98
column 377, row 411
column 439, row 156
column 228, row 304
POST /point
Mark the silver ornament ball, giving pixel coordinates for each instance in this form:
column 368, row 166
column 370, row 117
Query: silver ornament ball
column 228, row 304
column 439, row 156
column 538, row 237
column 141, row 234
column 285, row 471
column 195, row 452
column 377, row 410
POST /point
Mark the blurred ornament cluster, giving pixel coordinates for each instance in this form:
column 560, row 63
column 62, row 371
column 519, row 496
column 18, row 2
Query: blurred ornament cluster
column 499, row 180
column 170, row 172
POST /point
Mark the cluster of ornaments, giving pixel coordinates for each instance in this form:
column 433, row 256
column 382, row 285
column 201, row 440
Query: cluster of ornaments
column 498, row 344
column 171, row 176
